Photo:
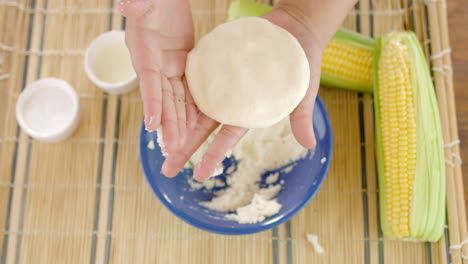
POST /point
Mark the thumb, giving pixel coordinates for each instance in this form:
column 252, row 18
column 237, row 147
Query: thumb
column 301, row 122
column 301, row 117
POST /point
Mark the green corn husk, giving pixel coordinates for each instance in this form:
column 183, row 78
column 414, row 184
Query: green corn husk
column 427, row 198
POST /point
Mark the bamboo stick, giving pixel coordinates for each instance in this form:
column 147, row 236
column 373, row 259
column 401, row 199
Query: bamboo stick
column 436, row 48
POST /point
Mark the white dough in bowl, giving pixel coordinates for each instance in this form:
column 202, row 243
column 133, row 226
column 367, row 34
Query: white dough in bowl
column 248, row 73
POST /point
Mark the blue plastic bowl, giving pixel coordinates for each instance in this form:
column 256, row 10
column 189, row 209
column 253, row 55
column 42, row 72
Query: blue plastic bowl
column 300, row 184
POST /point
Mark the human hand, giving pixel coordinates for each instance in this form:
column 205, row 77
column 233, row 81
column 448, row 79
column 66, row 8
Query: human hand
column 228, row 136
column 159, row 35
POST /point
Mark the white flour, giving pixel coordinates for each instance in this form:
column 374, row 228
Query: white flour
column 48, row 110
column 259, row 151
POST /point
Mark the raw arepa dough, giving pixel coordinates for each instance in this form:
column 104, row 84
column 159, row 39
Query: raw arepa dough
column 248, row 73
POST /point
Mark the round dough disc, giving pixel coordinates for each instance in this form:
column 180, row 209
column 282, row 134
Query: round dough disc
column 248, row 73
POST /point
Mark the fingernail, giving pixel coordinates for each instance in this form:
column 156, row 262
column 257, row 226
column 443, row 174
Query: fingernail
column 149, row 123
column 196, row 172
column 314, row 140
column 164, row 169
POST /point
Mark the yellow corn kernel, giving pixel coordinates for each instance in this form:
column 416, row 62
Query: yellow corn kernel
column 398, row 131
column 348, row 62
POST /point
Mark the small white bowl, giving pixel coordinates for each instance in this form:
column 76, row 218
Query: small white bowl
column 48, row 110
column 96, row 50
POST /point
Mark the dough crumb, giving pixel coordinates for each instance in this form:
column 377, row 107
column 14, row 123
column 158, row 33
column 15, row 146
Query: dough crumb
column 313, row 239
column 151, row 145
column 219, row 183
column 194, row 185
column 288, row 169
column 208, row 184
column 272, row 178
column 230, row 170
column 256, row 211
column 270, row 192
column 323, row 160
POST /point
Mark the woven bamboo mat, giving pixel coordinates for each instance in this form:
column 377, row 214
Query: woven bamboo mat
column 85, row 200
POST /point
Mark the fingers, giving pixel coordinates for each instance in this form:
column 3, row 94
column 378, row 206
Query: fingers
column 134, row 8
column 162, row 90
column 301, row 123
column 179, row 102
column 301, row 117
column 144, row 60
column 223, row 143
column 174, row 62
column 169, row 123
column 176, row 161
column 150, row 89
column 190, row 107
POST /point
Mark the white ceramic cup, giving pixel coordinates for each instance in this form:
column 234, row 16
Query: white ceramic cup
column 96, row 46
column 48, row 110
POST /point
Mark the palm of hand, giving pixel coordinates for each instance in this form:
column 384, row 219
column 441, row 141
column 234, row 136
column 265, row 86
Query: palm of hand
column 228, row 136
column 159, row 36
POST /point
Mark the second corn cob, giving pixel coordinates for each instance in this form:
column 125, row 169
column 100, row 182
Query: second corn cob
column 347, row 62
column 410, row 157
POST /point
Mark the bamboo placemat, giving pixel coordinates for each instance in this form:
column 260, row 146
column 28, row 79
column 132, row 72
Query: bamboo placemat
column 85, row 200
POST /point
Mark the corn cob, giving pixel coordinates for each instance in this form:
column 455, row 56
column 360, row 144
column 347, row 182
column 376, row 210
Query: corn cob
column 409, row 141
column 346, row 62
